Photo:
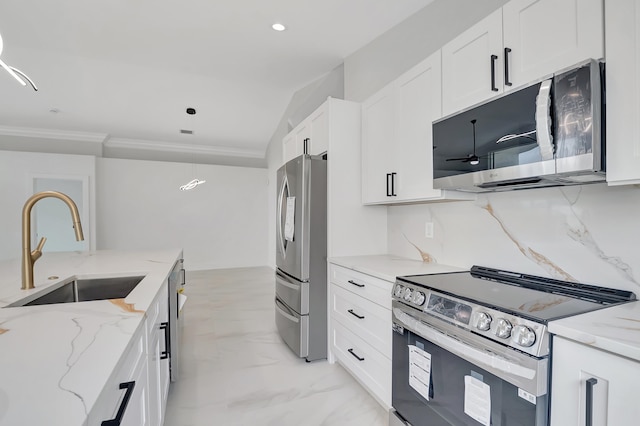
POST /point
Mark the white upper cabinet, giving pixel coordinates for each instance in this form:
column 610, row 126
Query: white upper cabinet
column 378, row 145
column 397, row 138
column 545, row 36
column 524, row 41
column 311, row 136
column 623, row 91
column 472, row 65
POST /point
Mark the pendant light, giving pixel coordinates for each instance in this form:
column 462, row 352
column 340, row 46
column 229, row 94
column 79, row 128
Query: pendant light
column 14, row 72
column 195, row 182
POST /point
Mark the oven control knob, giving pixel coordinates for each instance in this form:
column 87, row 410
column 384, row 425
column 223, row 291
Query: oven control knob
column 503, row 328
column 407, row 294
column 484, row 321
column 418, row 298
column 524, row 335
column 397, row 292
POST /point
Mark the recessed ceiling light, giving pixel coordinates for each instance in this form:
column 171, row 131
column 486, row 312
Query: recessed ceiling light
column 278, row 27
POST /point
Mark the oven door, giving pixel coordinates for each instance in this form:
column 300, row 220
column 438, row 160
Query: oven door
column 440, row 380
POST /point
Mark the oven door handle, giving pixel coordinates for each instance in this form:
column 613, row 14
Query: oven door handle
column 463, row 349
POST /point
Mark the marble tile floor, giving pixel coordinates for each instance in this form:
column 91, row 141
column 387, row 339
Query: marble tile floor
column 237, row 371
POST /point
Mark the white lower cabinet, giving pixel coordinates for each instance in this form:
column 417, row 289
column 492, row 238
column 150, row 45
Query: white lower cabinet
column 588, row 381
column 136, row 394
column 360, row 329
column 124, row 401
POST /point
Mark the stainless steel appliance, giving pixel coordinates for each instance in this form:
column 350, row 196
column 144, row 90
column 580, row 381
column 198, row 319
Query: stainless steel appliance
column 472, row 348
column 550, row 133
column 173, row 329
column 301, row 256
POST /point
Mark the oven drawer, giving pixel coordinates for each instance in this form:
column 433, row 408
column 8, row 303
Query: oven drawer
column 370, row 367
column 372, row 288
column 366, row 319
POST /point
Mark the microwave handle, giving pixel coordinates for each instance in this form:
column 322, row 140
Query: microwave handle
column 543, row 121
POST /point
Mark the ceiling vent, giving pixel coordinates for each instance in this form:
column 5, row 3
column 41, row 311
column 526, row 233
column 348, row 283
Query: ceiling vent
column 186, row 132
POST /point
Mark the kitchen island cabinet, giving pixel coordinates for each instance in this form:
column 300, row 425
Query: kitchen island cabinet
column 63, row 363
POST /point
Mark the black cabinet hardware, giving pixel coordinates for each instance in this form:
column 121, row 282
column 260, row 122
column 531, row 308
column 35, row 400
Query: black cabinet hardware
column 506, row 67
column 355, row 315
column 388, row 184
column 355, row 355
column 305, row 145
column 123, row 406
column 589, row 401
column 355, row 283
column 167, row 341
column 393, row 184
column 494, row 58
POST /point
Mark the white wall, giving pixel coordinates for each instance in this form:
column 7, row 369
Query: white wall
column 220, row 224
column 17, row 171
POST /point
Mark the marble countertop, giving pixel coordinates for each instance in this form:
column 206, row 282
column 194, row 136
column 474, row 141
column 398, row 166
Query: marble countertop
column 388, row 267
column 615, row 329
column 56, row 359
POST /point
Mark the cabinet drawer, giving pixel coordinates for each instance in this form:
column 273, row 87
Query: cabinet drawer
column 366, row 364
column 372, row 288
column 366, row 319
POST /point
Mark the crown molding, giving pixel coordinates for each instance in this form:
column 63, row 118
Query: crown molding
column 181, row 148
column 68, row 135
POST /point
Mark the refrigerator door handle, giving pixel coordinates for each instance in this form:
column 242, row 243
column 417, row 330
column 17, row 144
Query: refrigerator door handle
column 282, row 242
column 279, row 308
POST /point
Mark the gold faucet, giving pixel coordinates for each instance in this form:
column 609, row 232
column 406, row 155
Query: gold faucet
column 29, row 257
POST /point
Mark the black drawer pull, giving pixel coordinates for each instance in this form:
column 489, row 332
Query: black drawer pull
column 494, row 58
column 355, row 355
column 167, row 341
column 393, row 184
column 589, row 401
column 388, row 184
column 355, row 283
column 123, row 406
column 355, row 315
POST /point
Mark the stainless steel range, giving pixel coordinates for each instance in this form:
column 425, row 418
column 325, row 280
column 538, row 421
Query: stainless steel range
column 472, row 348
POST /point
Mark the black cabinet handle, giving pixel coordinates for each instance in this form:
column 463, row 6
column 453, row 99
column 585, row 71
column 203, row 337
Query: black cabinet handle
column 494, row 58
column 388, row 186
column 589, row 401
column 123, row 406
column 167, row 341
column 355, row 315
column 393, row 184
column 305, row 145
column 355, row 355
column 506, row 67
column 355, row 283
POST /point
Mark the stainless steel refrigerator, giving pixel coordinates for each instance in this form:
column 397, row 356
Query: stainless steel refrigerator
column 301, row 256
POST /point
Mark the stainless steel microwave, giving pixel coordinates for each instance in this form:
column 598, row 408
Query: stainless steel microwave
column 550, row 133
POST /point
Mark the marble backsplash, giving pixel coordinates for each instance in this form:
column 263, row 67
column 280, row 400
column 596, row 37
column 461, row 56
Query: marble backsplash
column 587, row 233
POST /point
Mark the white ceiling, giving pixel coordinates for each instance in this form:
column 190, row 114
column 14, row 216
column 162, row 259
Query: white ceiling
column 127, row 69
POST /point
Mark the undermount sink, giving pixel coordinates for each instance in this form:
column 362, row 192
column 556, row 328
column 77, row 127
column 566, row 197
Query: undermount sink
column 85, row 289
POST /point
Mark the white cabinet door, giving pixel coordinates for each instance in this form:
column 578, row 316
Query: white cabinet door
column 623, row 91
column 419, row 96
column 318, row 123
column 378, row 146
column 472, row 65
column 289, row 148
column 614, row 399
column 136, row 412
column 158, row 362
column 545, row 36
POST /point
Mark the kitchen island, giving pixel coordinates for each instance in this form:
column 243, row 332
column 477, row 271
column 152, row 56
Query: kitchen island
column 58, row 358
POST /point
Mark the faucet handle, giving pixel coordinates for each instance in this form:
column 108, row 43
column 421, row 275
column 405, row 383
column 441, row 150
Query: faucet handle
column 35, row 254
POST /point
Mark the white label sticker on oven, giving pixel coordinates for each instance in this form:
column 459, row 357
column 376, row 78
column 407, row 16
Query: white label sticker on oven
column 477, row 400
column 419, row 370
column 526, row 395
